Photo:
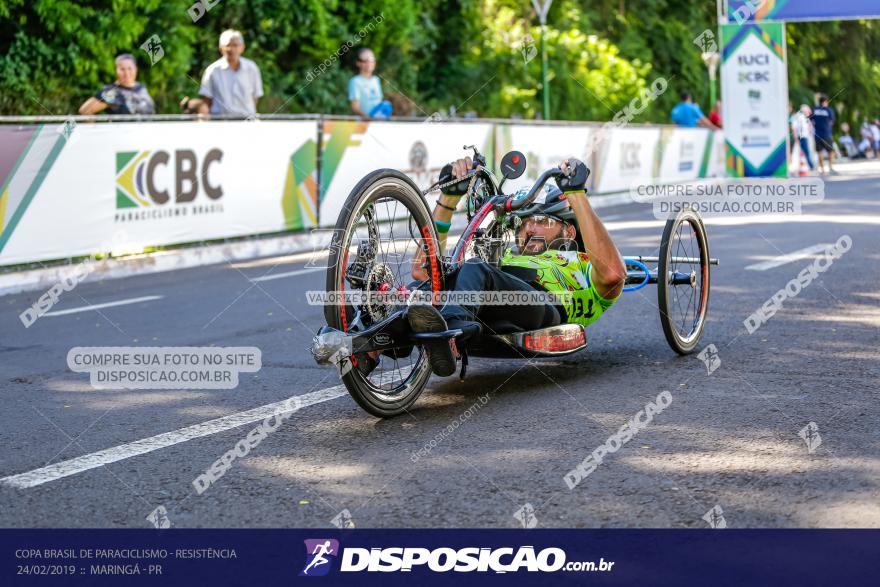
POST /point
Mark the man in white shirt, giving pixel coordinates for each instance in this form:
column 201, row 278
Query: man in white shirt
column 232, row 84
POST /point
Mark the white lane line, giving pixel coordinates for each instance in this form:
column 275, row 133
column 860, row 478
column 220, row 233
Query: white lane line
column 104, row 305
column 146, row 445
column 287, row 274
column 789, row 257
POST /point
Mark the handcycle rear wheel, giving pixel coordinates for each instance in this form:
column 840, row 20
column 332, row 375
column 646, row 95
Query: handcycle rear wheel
column 384, row 221
column 683, row 281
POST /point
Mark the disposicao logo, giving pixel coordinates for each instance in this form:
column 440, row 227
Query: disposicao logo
column 318, row 556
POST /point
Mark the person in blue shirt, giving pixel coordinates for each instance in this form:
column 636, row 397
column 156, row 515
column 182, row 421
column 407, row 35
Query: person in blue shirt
column 688, row 114
column 823, row 121
column 364, row 89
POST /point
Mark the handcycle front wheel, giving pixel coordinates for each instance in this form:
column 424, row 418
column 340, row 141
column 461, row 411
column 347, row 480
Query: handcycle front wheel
column 683, row 281
column 382, row 225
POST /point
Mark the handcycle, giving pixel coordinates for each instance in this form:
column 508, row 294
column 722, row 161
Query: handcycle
column 370, row 278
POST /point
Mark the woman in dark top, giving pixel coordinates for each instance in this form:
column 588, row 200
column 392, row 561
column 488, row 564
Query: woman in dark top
column 125, row 96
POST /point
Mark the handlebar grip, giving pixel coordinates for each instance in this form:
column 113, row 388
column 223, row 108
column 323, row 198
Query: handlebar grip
column 578, row 172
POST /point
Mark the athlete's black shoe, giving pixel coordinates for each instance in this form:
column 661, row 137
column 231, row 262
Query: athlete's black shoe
column 426, row 318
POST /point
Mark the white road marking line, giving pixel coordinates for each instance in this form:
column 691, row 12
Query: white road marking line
column 789, row 257
column 287, row 274
column 146, row 445
column 104, row 305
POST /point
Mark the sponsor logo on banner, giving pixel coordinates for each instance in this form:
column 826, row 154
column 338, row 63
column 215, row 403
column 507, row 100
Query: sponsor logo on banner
column 630, row 164
column 161, row 184
column 755, row 99
column 418, row 166
column 755, row 122
column 756, row 141
column 686, row 156
column 754, row 76
column 320, row 552
column 762, row 76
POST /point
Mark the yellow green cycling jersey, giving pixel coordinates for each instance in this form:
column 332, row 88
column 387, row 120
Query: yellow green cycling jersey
column 569, row 273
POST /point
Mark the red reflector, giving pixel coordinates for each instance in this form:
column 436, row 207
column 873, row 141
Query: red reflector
column 515, row 159
column 555, row 342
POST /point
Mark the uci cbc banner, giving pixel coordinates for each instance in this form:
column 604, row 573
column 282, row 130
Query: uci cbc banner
column 352, row 149
column 754, row 85
column 78, row 189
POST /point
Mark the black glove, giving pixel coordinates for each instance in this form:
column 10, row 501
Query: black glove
column 577, row 176
column 456, row 189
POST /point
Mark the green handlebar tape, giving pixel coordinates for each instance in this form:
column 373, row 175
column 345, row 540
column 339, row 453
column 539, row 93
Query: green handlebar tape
column 442, row 227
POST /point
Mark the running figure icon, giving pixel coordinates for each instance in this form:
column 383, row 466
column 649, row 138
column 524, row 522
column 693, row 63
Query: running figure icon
column 318, row 551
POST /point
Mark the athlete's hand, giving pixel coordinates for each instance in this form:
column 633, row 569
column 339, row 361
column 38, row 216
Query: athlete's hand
column 576, row 174
column 458, row 168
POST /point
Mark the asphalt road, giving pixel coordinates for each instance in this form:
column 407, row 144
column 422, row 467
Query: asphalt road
column 728, row 439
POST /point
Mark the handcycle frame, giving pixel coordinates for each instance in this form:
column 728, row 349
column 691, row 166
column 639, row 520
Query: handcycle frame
column 392, row 332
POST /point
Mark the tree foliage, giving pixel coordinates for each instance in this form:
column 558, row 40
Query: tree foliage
column 473, row 55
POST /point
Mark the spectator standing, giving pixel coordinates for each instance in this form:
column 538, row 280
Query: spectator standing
column 365, row 90
column 802, row 129
column 688, row 114
column 823, row 124
column 124, row 96
column 715, row 115
column 232, row 84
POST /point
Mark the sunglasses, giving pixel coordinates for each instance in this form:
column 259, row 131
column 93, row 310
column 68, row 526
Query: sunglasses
column 540, row 221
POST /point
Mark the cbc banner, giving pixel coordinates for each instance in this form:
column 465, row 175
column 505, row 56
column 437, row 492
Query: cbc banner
column 754, row 85
column 78, row 189
column 352, row 149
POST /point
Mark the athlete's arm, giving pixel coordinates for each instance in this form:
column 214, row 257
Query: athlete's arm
column 442, row 216
column 609, row 273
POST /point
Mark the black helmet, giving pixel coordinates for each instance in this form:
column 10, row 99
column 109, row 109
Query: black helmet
column 550, row 202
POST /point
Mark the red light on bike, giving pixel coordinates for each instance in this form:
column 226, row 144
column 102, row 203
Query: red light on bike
column 554, row 343
column 515, row 159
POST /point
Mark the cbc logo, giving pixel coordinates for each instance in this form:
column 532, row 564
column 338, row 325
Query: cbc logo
column 158, row 175
column 754, row 60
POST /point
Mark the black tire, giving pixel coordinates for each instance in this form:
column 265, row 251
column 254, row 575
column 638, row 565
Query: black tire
column 378, row 187
column 682, row 331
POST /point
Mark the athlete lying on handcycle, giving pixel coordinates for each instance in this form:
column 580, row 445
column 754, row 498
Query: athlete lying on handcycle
column 549, row 259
